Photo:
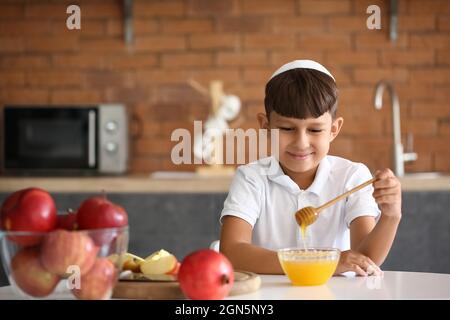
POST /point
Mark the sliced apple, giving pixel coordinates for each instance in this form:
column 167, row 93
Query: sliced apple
column 132, row 262
column 128, row 261
column 160, row 262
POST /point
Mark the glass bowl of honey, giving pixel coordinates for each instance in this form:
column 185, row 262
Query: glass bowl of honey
column 309, row 267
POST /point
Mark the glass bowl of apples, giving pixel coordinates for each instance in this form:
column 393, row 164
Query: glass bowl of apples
column 64, row 264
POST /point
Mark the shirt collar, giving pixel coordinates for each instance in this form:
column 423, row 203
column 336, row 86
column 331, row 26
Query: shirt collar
column 276, row 174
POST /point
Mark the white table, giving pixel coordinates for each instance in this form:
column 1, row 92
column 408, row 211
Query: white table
column 393, row 285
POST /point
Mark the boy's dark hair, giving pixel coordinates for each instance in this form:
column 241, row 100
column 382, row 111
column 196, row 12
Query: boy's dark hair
column 301, row 93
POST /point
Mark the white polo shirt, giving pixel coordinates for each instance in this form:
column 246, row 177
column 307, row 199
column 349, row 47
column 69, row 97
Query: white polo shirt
column 267, row 199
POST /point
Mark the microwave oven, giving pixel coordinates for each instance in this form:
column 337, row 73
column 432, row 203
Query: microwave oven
column 64, row 139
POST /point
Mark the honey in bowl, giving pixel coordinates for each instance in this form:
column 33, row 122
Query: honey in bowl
column 310, row 267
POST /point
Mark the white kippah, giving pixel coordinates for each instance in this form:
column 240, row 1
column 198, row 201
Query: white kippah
column 302, row 64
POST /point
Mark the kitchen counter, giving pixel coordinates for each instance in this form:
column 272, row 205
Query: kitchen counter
column 393, row 285
column 170, row 183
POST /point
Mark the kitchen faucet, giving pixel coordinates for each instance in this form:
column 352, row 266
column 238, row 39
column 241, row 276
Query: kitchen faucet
column 399, row 157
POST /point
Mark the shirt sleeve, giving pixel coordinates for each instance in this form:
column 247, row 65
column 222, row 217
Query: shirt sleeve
column 360, row 203
column 244, row 197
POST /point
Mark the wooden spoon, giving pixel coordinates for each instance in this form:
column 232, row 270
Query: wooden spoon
column 308, row 215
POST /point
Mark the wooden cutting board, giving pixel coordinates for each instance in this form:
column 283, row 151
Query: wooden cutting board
column 244, row 282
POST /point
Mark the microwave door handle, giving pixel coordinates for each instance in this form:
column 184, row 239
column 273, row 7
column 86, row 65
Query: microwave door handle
column 91, row 139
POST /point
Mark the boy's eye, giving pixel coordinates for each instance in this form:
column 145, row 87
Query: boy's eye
column 285, row 128
column 315, row 130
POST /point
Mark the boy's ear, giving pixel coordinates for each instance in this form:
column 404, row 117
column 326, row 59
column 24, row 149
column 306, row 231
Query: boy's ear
column 336, row 126
column 263, row 121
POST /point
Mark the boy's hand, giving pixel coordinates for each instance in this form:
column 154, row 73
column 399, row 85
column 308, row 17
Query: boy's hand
column 354, row 261
column 388, row 193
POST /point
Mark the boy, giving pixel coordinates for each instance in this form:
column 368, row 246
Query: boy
column 258, row 214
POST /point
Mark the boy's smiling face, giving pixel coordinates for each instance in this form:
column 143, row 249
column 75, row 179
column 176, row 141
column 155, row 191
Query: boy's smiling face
column 303, row 143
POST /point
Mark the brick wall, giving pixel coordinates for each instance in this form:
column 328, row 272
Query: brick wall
column 240, row 42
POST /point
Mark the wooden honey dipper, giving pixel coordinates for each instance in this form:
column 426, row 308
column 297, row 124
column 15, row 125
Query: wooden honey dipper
column 308, row 215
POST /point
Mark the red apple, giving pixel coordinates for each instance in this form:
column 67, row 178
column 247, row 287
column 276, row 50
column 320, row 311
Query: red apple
column 29, row 274
column 206, row 274
column 67, row 221
column 29, row 209
column 61, row 249
column 99, row 212
column 99, row 282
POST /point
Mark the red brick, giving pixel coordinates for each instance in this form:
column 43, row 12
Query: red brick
column 52, row 44
column 325, row 41
column 343, row 76
column 278, row 58
column 214, row 41
column 419, row 127
column 373, row 75
column 244, row 24
column 187, row 26
column 159, row 76
column 54, row 78
column 145, row 26
column 417, row 23
column 442, row 162
column 318, row 7
column 258, row 75
column 78, row 61
column 251, row 109
column 417, row 90
column 338, row 24
column 434, row 76
column 408, row 58
column 131, row 61
column 356, row 95
column 21, row 28
column 268, row 7
column 101, row 10
column 24, row 62
column 12, row 78
column 377, row 40
column 11, row 44
column 427, row 110
column 444, row 23
column 426, row 7
column 342, row 146
column 360, row 6
column 160, row 43
column 103, row 79
column 103, row 45
column 76, row 96
column 128, row 96
column 88, row 28
column 253, row 58
column 361, row 127
column 344, row 58
column 444, row 127
column 174, row 60
column 24, row 95
column 41, row 10
column 151, row 146
column 208, row 7
column 423, row 163
column 273, row 41
column 15, row 10
column 158, row 8
column 434, row 40
column 249, row 92
column 443, row 57
column 300, row 24
column 431, row 144
column 145, row 164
